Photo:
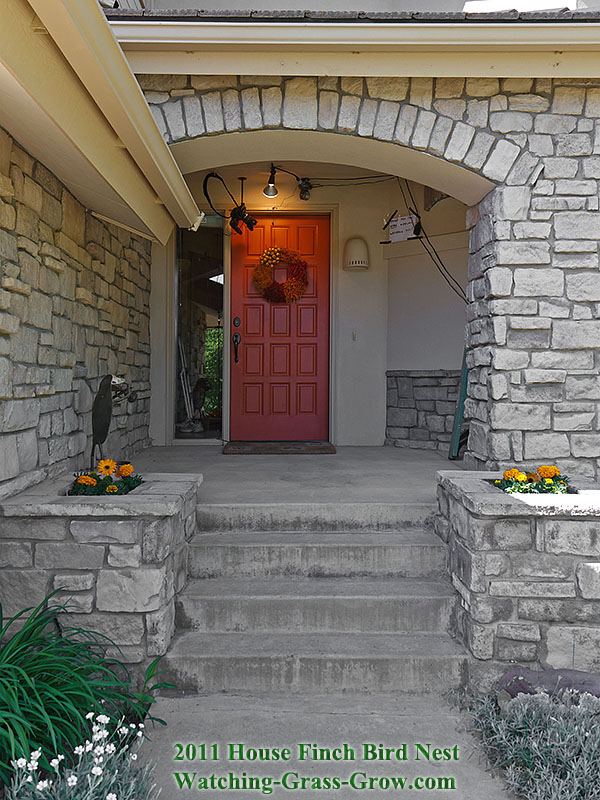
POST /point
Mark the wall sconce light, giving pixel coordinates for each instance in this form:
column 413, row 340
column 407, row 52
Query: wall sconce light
column 270, row 189
column 356, row 255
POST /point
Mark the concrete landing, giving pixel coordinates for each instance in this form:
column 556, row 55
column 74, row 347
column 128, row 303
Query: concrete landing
column 328, row 722
column 353, row 474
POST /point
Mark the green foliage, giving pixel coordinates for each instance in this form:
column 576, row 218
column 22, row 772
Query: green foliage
column 547, row 746
column 124, row 485
column 103, row 767
column 50, row 679
column 213, row 366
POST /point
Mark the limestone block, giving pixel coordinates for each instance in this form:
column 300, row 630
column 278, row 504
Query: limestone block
column 73, row 581
column 479, row 150
column 328, row 109
column 421, row 92
column 160, row 121
column 77, row 603
column 540, row 144
column 207, row 83
column 160, row 627
column 588, row 580
column 525, row 170
column 538, row 282
column 477, row 113
column 109, row 531
column 455, row 109
column 9, row 323
column 574, row 144
column 568, row 100
column 508, row 588
column 534, row 103
column 158, row 540
column 348, row 117
column 366, row 118
column 122, row 629
column 574, row 422
column 490, row 609
column 575, row 334
column 546, row 445
column 131, row 590
column 22, row 588
column 519, row 631
column 406, row 123
column 125, row 556
column 500, row 161
column 8, row 215
column 385, row 122
column 16, row 554
column 231, row 110
column 157, row 97
column 251, row 111
column 459, row 143
column 68, row 555
column 508, row 121
column 423, row 128
column 573, row 648
column 271, row 106
column 173, row 111
column 499, row 534
column 353, row 85
column 582, row 387
column 213, row 112
column 388, row 88
column 511, row 416
column 439, row 135
column 449, row 87
column 583, row 286
column 482, row 87
column 329, row 82
column 39, row 310
column 545, row 375
column 522, row 252
column 162, row 83
column 480, row 640
column 512, row 202
column 585, row 445
column 193, row 116
column 532, row 230
column 18, row 415
column 516, row 651
column 300, row 103
column 27, row 449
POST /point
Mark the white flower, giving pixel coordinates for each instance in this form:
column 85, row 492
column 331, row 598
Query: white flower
column 131, row 725
column 20, row 763
column 72, row 780
column 123, row 731
column 42, row 785
column 134, row 756
column 54, row 763
column 32, row 766
column 140, row 733
column 110, row 748
column 29, row 779
column 103, row 719
column 99, row 750
column 89, row 715
column 36, row 755
column 141, row 725
column 79, row 750
column 111, row 796
column 96, row 770
column 88, row 746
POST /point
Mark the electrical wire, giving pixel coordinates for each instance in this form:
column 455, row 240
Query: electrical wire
column 430, row 247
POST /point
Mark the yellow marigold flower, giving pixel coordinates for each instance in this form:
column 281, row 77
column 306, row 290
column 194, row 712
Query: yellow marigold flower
column 521, row 477
column 112, row 488
column 548, row 471
column 548, row 480
column 87, row 480
column 125, row 470
column 106, row 467
column 510, row 473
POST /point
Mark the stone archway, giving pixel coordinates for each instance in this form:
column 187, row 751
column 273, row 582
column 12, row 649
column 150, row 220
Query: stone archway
column 528, row 146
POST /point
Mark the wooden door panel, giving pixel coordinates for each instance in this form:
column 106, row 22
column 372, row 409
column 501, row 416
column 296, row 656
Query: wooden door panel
column 280, row 385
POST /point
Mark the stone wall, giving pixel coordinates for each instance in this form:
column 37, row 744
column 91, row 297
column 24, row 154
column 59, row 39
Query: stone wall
column 528, row 576
column 420, row 408
column 534, row 278
column 117, row 562
column 74, row 296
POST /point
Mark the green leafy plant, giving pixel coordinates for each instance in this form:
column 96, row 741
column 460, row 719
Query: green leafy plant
column 213, row 366
column 51, row 678
column 547, row 746
column 103, row 767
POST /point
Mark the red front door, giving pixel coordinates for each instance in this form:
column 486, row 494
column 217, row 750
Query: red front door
column 280, row 383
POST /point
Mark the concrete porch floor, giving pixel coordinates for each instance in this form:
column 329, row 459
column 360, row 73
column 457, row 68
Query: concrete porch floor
column 353, row 474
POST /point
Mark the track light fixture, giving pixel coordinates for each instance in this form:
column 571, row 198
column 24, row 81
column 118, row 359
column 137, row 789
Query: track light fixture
column 239, row 213
column 270, row 189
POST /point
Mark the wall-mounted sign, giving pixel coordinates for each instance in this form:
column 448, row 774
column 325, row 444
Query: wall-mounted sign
column 402, row 228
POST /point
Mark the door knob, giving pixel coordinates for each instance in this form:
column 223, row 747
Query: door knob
column 236, row 343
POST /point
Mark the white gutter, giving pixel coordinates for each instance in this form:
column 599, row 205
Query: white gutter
column 81, row 32
column 397, row 36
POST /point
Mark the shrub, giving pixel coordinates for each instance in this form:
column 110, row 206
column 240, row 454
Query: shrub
column 547, row 746
column 50, row 679
column 103, row 767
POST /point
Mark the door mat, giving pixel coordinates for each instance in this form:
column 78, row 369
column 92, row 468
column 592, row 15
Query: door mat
column 278, row 448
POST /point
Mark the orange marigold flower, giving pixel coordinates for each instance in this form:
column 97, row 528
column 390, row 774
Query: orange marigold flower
column 510, row 473
column 112, row 488
column 125, row 470
column 548, row 471
column 521, row 477
column 106, row 467
column 87, row 480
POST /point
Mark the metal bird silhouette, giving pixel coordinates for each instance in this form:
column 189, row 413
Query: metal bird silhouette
column 101, row 415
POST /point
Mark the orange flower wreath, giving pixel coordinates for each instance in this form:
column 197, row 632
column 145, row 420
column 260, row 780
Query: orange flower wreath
column 291, row 290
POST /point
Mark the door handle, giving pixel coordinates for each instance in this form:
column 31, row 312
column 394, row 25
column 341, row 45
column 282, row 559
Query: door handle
column 236, row 343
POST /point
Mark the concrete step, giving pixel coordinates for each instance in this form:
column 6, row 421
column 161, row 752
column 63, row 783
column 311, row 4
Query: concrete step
column 411, row 554
column 384, row 605
column 314, row 516
column 323, row 662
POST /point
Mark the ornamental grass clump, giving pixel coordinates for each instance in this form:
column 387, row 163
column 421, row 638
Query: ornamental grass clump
column 545, row 480
column 104, row 766
column 51, row 678
column 547, row 746
column 107, row 478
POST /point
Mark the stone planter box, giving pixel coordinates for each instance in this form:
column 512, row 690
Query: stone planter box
column 527, row 569
column 119, row 560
